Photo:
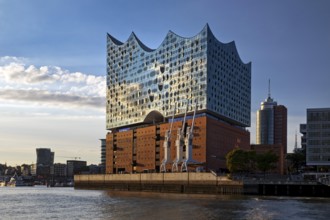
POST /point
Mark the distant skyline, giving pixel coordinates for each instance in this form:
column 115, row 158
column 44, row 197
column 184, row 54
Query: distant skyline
column 53, row 62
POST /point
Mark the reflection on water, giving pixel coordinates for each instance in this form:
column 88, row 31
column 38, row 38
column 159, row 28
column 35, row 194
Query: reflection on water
column 144, row 205
column 67, row 203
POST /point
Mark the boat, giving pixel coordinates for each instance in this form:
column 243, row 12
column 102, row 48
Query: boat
column 15, row 181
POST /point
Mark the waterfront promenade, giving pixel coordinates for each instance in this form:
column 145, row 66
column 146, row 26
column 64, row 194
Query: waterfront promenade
column 187, row 182
column 200, row 183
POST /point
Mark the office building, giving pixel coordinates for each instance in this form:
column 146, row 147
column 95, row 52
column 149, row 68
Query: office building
column 146, row 88
column 303, row 131
column 271, row 123
column 45, row 156
column 75, row 167
column 272, row 130
column 45, row 159
column 103, row 145
column 103, row 156
column 317, row 135
column 59, row 170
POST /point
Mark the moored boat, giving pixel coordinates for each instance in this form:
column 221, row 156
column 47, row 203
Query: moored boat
column 15, row 181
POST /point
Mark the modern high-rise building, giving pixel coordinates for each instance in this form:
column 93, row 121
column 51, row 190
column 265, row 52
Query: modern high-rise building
column 317, row 136
column 45, row 160
column 147, row 87
column 144, row 84
column 272, row 130
column 271, row 123
column 45, row 156
column 265, row 122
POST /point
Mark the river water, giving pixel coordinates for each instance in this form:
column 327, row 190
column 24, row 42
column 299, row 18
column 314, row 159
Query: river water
column 69, row 203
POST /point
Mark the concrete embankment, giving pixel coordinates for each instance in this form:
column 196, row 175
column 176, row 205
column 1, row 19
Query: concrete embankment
column 162, row 182
column 273, row 188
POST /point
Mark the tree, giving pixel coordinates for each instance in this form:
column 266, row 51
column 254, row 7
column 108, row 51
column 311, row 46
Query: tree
column 238, row 160
column 234, row 160
column 266, row 161
column 296, row 160
column 250, row 161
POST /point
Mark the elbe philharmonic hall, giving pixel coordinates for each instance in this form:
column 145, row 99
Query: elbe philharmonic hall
column 183, row 105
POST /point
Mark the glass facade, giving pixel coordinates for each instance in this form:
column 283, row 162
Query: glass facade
column 265, row 122
column 143, row 84
column 318, row 136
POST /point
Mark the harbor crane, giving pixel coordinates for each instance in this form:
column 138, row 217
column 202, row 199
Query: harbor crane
column 188, row 143
column 179, row 142
column 75, row 158
column 167, row 145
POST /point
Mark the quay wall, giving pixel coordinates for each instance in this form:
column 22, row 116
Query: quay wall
column 188, row 182
column 195, row 183
column 305, row 189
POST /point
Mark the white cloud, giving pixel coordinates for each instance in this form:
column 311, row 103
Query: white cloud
column 49, row 85
column 41, row 96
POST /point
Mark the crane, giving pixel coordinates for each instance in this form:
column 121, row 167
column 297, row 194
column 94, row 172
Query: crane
column 188, row 143
column 179, row 142
column 167, row 145
column 71, row 157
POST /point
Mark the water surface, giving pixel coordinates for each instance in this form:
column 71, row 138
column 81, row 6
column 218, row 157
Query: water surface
column 68, row 203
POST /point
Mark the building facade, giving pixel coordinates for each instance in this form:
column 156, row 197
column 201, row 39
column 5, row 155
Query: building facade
column 103, row 146
column 45, row 160
column 75, row 167
column 272, row 130
column 146, row 88
column 303, row 131
column 271, row 123
column 144, row 84
column 59, row 170
column 317, row 136
column 281, row 126
column 141, row 148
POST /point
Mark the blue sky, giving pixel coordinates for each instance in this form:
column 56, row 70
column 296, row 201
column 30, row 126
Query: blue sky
column 53, row 56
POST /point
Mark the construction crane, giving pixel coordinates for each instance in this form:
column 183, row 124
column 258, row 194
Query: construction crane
column 179, row 142
column 188, row 143
column 167, row 145
column 76, row 158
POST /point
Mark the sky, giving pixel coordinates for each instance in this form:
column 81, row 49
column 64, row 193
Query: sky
column 53, row 62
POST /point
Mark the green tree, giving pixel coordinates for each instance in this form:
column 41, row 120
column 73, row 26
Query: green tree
column 234, row 160
column 296, row 160
column 238, row 160
column 250, row 161
column 266, row 161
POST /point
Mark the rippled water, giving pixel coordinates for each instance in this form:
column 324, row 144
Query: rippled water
column 68, row 203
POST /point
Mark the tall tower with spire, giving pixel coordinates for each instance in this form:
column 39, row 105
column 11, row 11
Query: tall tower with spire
column 271, row 122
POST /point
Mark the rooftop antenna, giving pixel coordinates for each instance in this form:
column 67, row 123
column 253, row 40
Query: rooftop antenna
column 268, row 88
